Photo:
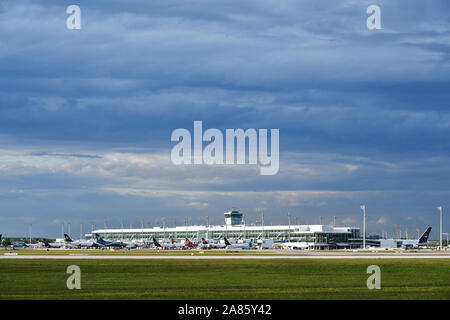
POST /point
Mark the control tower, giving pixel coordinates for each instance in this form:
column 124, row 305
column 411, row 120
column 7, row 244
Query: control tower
column 233, row 218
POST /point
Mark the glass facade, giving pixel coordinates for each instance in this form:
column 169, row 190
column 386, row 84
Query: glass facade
column 320, row 235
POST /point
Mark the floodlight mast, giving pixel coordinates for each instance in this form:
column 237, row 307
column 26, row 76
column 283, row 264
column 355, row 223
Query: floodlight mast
column 440, row 227
column 363, row 208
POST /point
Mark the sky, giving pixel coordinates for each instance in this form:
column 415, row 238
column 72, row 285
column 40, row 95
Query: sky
column 86, row 115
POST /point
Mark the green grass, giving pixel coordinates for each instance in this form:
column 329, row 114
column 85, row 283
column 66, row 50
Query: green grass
column 226, row 279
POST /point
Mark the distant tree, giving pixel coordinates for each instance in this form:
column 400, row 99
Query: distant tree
column 6, row 242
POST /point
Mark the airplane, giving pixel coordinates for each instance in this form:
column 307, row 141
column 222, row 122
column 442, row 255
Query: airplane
column 105, row 243
column 80, row 243
column 23, row 244
column 177, row 245
column 415, row 244
column 53, row 244
column 115, row 244
column 292, row 245
column 168, row 245
column 205, row 244
column 190, row 244
column 164, row 245
column 238, row 245
column 131, row 244
column 19, row 244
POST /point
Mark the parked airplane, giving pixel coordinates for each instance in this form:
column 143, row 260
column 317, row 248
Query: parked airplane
column 238, row 245
column 164, row 245
column 23, row 244
column 177, row 245
column 168, row 245
column 53, row 244
column 19, row 244
column 105, row 243
column 80, row 243
column 206, row 245
column 190, row 244
column 414, row 244
column 292, row 245
column 116, row 244
column 131, row 244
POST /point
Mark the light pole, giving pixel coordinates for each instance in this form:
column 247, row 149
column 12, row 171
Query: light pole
column 243, row 221
column 440, row 228
column 121, row 227
column 164, row 226
column 289, row 219
column 363, row 208
column 262, row 221
column 207, row 227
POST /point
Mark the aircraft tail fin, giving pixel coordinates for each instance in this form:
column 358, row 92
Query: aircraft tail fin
column 227, row 243
column 250, row 244
column 203, row 241
column 67, row 238
column 156, row 243
column 98, row 237
column 424, row 237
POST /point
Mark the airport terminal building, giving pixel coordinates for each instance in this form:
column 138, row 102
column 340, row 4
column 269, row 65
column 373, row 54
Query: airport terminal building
column 313, row 237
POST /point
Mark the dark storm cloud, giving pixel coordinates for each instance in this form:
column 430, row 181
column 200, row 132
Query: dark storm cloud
column 370, row 107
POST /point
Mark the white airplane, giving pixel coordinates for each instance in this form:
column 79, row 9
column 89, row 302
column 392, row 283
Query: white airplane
column 168, row 245
column 132, row 244
column 228, row 245
column 293, row 245
column 206, row 245
column 79, row 243
column 53, row 244
column 415, row 244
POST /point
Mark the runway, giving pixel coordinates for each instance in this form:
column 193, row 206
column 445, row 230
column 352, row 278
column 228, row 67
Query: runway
column 208, row 257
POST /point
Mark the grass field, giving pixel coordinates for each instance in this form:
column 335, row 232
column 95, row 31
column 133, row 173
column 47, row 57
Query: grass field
column 226, row 279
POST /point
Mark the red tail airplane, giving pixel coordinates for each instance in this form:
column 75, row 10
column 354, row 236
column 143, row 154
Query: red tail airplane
column 190, row 244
